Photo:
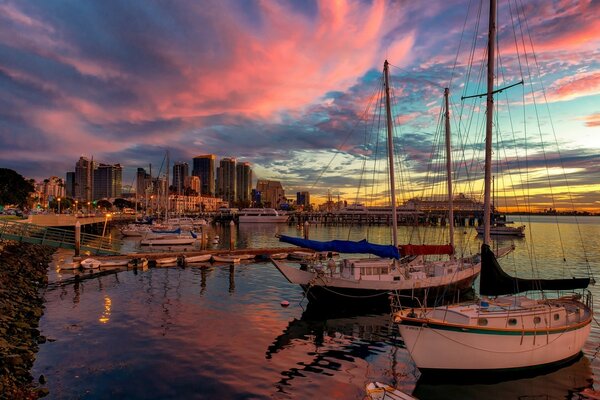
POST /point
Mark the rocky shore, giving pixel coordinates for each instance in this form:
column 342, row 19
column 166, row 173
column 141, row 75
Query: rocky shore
column 23, row 273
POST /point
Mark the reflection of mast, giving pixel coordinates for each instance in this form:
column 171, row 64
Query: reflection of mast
column 203, row 275
column 231, row 279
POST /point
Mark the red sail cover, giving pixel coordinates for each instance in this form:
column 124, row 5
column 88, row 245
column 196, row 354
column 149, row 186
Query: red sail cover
column 425, row 249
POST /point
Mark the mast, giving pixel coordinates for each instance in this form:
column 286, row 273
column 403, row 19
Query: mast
column 167, row 194
column 390, row 153
column 449, row 170
column 488, row 126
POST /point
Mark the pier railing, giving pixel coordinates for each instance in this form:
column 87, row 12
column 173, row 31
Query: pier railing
column 59, row 238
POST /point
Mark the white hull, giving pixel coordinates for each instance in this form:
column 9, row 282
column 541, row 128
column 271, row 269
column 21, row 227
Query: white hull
column 90, row 263
column 159, row 241
column 113, row 263
column 166, row 260
column 198, row 259
column 504, row 230
column 226, row 259
column 441, row 345
column 360, row 279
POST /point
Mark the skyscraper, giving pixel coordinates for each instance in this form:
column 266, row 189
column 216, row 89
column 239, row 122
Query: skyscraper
column 84, row 179
column 243, row 177
column 204, row 168
column 142, row 183
column 226, row 180
column 180, row 173
column 303, row 199
column 70, row 184
column 108, row 181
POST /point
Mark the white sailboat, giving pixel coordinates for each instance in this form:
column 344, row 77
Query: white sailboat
column 504, row 330
column 402, row 269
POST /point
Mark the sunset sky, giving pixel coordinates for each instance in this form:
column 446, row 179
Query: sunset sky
column 283, row 84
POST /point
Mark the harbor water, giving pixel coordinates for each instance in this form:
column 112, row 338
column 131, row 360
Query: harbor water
column 220, row 331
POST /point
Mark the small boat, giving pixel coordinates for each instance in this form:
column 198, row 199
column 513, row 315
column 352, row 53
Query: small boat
column 90, row 263
column 279, row 256
column 70, row 265
column 176, row 240
column 113, row 263
column 225, row 259
column 198, row 259
column 380, row 391
column 500, row 229
column 245, row 256
column 140, row 262
column 166, row 260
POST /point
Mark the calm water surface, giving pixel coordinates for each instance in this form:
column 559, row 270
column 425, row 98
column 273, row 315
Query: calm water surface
column 220, row 332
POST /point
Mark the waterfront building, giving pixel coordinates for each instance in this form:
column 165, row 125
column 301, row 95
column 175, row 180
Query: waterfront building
column 271, row 193
column 192, row 185
column 204, row 168
column 184, row 204
column 303, row 199
column 143, row 183
column 70, row 185
column 84, row 179
column 108, row 181
column 226, row 179
column 243, row 176
column 180, row 173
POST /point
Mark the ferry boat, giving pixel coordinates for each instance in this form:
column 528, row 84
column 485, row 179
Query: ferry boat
column 269, row 215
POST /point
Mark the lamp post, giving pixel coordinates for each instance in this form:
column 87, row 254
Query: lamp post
column 88, row 207
column 76, row 206
column 106, row 217
column 58, row 205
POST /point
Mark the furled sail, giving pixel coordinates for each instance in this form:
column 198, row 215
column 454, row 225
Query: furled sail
column 345, row 246
column 178, row 230
column 494, row 281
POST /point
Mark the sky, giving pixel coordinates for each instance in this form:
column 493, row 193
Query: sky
column 284, row 85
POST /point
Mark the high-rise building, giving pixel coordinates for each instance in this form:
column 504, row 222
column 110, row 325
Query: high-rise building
column 271, row 193
column 204, row 168
column 180, row 172
column 70, row 185
column 53, row 187
column 303, row 199
column 108, row 181
column 243, row 176
column 192, row 185
column 226, row 180
column 84, row 179
column 142, row 183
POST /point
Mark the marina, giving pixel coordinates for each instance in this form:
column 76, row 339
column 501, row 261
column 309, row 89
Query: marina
column 220, row 330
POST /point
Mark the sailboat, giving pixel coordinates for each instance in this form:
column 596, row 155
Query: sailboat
column 399, row 269
column 503, row 330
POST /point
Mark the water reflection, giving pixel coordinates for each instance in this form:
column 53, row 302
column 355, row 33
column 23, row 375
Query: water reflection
column 105, row 317
column 562, row 383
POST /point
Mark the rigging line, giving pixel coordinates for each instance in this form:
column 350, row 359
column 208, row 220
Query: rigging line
column 462, row 33
column 417, row 79
column 568, row 188
column 543, row 148
column 339, row 148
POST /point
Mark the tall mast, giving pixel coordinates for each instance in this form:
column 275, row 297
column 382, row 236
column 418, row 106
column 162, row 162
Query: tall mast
column 449, row 170
column 167, row 194
column 488, row 126
column 390, row 153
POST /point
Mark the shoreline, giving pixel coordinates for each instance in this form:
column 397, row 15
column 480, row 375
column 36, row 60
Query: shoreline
column 23, row 276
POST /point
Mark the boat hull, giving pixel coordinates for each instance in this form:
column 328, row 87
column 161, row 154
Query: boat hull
column 438, row 347
column 323, row 288
column 263, row 219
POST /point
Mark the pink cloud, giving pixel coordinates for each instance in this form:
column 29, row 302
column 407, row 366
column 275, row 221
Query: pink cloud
column 572, row 87
column 592, row 120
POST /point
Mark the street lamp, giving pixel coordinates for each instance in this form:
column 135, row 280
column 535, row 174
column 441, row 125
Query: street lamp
column 58, row 205
column 76, row 206
column 88, row 208
column 106, row 217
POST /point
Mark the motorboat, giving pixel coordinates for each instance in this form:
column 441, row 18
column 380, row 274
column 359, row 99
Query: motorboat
column 198, row 259
column 229, row 259
column 90, row 263
column 261, row 215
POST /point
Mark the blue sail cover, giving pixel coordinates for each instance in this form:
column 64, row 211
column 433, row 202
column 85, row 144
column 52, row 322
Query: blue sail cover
column 178, row 230
column 345, row 246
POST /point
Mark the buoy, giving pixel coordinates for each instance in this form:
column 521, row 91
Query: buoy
column 285, row 303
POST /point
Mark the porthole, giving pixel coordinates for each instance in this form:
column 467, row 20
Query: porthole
column 556, row 317
column 512, row 321
column 482, row 321
column 536, row 320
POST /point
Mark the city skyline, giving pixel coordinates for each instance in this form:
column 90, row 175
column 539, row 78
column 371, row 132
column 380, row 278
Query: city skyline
column 281, row 90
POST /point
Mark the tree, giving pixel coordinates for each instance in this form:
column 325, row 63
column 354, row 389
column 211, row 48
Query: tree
column 122, row 203
column 107, row 205
column 14, row 189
